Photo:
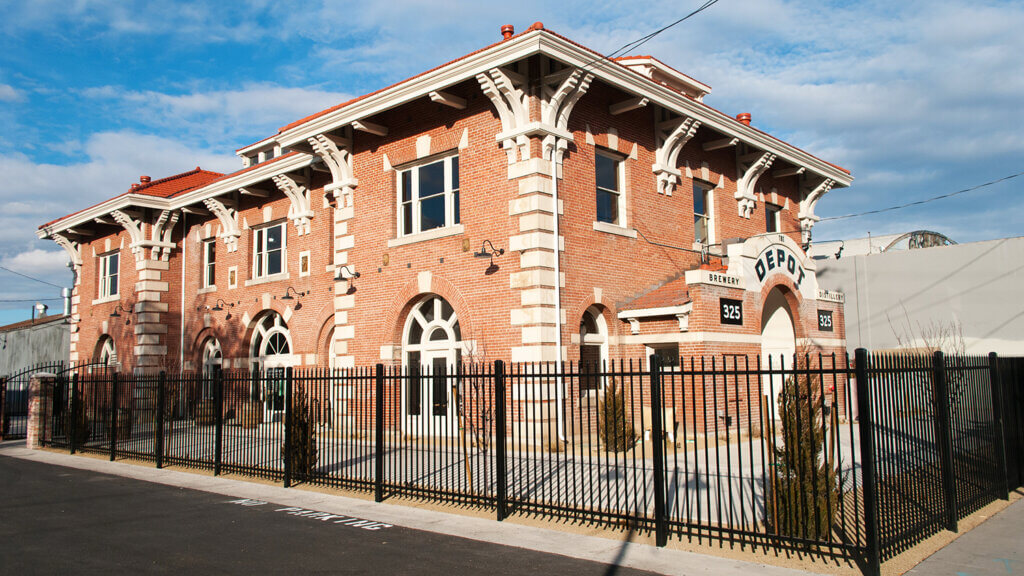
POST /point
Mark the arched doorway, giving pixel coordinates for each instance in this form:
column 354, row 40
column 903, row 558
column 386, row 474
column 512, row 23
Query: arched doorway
column 778, row 342
column 213, row 361
column 593, row 347
column 271, row 353
column 106, row 352
column 432, row 349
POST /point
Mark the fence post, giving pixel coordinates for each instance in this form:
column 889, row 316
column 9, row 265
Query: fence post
column 378, row 473
column 288, row 427
column 115, row 394
column 658, row 439
column 873, row 548
column 71, row 429
column 3, row 407
column 501, row 467
column 158, row 441
column 218, row 407
column 943, row 430
column 1002, row 485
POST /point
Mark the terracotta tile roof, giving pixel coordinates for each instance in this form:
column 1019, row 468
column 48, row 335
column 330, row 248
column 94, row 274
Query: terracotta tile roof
column 249, row 168
column 672, row 293
column 162, row 188
column 173, row 185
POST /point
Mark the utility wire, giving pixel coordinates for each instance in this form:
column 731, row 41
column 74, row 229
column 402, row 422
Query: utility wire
column 33, row 300
column 30, row 278
column 926, row 200
column 644, row 39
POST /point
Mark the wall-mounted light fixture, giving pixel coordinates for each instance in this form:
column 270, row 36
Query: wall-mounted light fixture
column 218, row 306
column 119, row 308
column 842, row 244
column 494, row 252
column 347, row 274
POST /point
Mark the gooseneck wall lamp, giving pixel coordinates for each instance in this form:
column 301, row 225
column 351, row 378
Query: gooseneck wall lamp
column 347, row 274
column 118, row 309
column 491, row 255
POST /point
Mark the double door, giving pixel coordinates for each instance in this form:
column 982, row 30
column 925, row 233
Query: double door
column 430, row 394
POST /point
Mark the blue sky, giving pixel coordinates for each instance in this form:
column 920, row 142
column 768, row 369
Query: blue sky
column 916, row 98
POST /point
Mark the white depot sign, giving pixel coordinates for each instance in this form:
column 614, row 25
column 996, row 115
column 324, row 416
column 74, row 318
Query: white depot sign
column 762, row 259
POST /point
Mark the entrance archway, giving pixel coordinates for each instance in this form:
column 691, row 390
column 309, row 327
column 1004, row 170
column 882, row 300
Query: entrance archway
column 432, row 349
column 271, row 353
column 593, row 348
column 778, row 342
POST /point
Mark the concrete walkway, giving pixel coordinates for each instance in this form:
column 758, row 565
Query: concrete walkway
column 639, row 556
column 994, row 547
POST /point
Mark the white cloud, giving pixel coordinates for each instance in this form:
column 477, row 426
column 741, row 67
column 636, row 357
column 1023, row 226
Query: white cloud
column 9, row 94
column 38, row 262
column 220, row 118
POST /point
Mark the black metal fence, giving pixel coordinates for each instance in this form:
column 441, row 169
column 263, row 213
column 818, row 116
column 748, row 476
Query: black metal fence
column 791, row 454
column 14, row 399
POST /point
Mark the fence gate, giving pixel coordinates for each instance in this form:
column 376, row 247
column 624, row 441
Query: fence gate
column 14, row 399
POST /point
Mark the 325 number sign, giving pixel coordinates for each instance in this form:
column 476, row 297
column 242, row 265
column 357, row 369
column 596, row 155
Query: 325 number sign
column 731, row 311
column 825, row 320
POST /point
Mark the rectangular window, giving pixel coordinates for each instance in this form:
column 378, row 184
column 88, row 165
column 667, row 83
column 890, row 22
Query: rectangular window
column 428, row 196
column 268, row 245
column 668, row 354
column 108, row 274
column 772, row 214
column 609, row 189
column 209, row 263
column 701, row 213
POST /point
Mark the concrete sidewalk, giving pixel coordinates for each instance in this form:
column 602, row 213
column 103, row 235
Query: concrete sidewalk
column 996, row 546
column 639, row 556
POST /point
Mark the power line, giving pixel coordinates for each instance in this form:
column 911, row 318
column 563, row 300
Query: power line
column 34, row 300
column 644, row 39
column 30, row 278
column 926, row 200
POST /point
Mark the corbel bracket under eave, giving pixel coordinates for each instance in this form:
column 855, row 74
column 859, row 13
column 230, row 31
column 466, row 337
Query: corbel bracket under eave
column 809, row 199
column 299, row 211
column 336, row 154
column 228, row 219
column 672, row 136
column 745, row 187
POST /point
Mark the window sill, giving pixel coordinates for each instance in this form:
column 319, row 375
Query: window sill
column 614, row 229
column 428, row 235
column 105, row 299
column 207, row 290
column 267, row 279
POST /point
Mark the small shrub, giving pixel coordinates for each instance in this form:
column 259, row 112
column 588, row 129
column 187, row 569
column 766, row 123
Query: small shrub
column 804, row 493
column 302, row 452
column 614, row 425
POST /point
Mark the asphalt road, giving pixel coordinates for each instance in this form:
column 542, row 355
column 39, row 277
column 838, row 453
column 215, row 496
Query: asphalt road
column 62, row 520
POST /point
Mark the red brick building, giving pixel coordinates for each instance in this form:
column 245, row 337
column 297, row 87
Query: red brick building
column 615, row 213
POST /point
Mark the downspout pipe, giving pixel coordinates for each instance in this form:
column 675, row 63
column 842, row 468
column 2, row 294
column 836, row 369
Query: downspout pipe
column 560, row 385
column 181, row 327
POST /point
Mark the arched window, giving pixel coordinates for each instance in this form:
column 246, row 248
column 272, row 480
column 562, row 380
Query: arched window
column 433, row 347
column 107, row 351
column 271, row 352
column 271, row 338
column 213, row 358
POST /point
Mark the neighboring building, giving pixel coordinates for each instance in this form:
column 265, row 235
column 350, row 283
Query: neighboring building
column 349, row 237
column 32, row 342
column 962, row 297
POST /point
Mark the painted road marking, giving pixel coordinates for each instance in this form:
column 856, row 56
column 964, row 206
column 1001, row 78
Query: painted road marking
column 317, row 515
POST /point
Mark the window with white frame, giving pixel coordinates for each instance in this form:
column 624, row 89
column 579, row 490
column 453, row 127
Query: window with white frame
column 772, row 217
column 702, row 232
column 109, row 264
column 428, row 196
column 209, row 263
column 268, row 250
column 611, row 201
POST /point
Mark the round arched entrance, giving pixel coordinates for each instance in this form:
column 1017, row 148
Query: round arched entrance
column 778, row 341
column 432, row 348
column 271, row 353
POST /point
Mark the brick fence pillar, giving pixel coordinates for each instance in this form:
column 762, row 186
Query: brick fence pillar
column 40, row 405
